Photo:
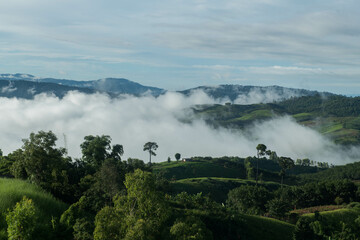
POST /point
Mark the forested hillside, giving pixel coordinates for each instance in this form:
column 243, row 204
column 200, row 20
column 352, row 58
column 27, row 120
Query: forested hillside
column 337, row 117
column 101, row 196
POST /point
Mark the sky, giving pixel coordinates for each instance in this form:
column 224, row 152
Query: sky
column 180, row 44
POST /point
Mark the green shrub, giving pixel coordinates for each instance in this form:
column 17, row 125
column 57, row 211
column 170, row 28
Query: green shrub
column 21, row 220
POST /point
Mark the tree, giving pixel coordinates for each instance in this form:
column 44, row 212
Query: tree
column 39, row 158
column 116, row 152
column 248, row 199
column 261, row 151
column 285, row 164
column 140, row 214
column 96, row 149
column 303, row 231
column 190, row 228
column 21, row 220
column 249, row 168
column 278, row 207
column 177, row 156
column 151, row 147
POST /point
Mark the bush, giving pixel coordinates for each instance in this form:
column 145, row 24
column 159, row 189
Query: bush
column 21, row 220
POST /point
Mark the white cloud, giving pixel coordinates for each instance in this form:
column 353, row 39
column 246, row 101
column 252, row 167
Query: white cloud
column 133, row 121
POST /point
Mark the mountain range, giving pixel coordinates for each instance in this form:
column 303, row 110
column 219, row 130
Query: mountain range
column 27, row 86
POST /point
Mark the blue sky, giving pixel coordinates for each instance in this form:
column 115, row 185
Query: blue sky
column 178, row 44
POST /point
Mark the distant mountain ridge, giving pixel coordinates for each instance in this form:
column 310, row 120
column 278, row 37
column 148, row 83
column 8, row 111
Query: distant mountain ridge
column 268, row 93
column 27, row 86
column 28, row 89
column 114, row 86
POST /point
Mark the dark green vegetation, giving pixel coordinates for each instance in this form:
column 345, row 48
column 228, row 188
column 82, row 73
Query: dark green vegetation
column 101, row 196
column 337, row 117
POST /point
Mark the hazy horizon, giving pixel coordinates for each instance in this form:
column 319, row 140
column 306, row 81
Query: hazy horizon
column 191, row 87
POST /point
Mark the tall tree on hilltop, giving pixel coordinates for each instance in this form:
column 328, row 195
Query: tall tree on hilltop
column 177, row 156
column 151, row 147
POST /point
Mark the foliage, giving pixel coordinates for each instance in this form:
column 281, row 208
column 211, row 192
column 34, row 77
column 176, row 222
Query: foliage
column 141, row 212
column 190, row 228
column 285, row 164
column 278, row 207
column 96, row 149
column 248, row 199
column 195, row 201
column 249, row 168
column 216, row 188
column 13, row 190
column 177, row 156
column 21, row 220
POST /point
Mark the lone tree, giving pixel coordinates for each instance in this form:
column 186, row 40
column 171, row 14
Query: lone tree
column 261, row 151
column 151, row 147
column 285, row 164
column 177, row 156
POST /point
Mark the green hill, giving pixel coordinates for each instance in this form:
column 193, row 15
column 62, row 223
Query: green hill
column 13, row 190
column 242, row 226
column 227, row 167
column 337, row 117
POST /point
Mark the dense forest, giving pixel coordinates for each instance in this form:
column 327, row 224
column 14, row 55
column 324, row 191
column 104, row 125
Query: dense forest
column 45, row 194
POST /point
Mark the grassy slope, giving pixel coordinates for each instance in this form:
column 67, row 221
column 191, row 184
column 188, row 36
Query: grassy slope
column 13, row 190
column 268, row 228
column 242, row 226
column 335, row 217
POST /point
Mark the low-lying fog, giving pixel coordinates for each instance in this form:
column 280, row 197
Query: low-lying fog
column 133, row 121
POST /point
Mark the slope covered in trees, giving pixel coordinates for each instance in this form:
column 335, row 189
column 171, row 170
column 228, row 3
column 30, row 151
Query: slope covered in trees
column 199, row 198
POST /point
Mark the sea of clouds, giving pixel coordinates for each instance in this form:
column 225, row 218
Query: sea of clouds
column 133, row 121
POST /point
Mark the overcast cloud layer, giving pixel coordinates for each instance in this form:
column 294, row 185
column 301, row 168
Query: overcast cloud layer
column 185, row 43
column 133, row 121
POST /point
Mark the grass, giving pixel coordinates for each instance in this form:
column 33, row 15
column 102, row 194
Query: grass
column 242, row 226
column 13, row 190
column 257, row 114
column 301, row 117
column 335, row 218
column 268, row 228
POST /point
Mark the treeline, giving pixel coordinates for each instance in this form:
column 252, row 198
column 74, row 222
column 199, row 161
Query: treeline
column 336, row 105
column 349, row 171
column 278, row 203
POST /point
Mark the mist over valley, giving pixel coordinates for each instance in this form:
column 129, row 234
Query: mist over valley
column 177, row 121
